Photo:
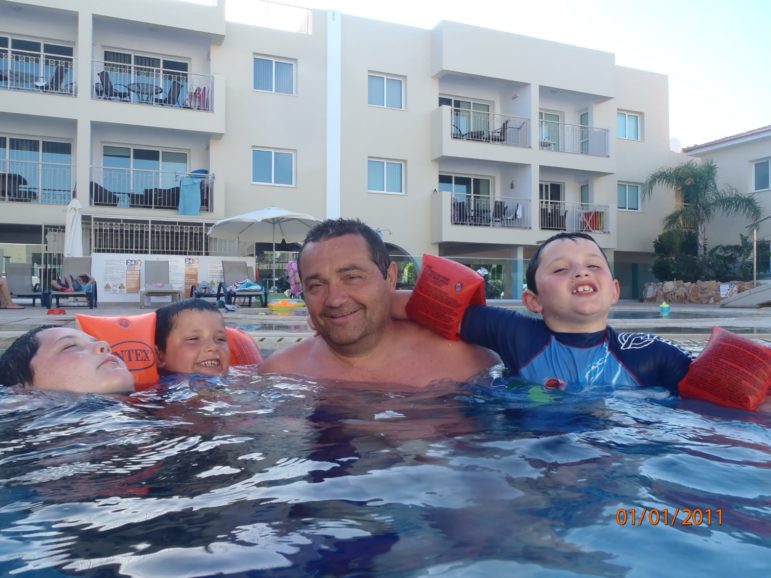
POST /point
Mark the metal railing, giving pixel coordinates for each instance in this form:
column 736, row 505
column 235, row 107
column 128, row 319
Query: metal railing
column 35, row 182
column 153, row 86
column 150, row 237
column 490, row 128
column 147, row 189
column 571, row 138
column 479, row 211
column 38, row 73
column 570, row 216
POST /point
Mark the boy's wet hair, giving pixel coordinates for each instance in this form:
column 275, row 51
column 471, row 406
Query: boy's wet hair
column 166, row 315
column 332, row 228
column 535, row 260
column 16, row 362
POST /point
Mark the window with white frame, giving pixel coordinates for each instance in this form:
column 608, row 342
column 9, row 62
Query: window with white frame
column 629, row 196
column 385, row 91
column 385, row 176
column 762, row 175
column 274, row 75
column 628, row 125
column 273, row 167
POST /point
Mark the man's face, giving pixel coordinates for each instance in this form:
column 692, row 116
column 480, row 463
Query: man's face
column 348, row 299
column 575, row 287
column 71, row 360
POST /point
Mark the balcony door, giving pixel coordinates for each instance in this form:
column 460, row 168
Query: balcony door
column 553, row 213
column 44, row 168
column 470, row 198
column 127, row 67
column 468, row 115
column 130, row 170
column 550, row 130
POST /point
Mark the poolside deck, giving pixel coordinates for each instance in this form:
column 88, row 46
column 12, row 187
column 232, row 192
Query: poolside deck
column 688, row 325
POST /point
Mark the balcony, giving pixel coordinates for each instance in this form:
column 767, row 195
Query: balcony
column 577, row 139
column 481, row 211
column 187, row 193
column 37, row 73
column 152, row 86
column 35, row 182
column 568, row 216
column 490, row 128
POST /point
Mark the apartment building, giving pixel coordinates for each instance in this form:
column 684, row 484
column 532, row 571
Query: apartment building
column 744, row 162
column 164, row 117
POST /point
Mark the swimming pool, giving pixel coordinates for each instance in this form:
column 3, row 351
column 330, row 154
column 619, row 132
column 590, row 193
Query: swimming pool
column 290, row 478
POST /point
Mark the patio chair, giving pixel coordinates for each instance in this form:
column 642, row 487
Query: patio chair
column 235, row 272
column 172, row 95
column 74, row 266
column 157, row 283
column 109, row 90
column 499, row 134
column 54, row 84
column 19, row 277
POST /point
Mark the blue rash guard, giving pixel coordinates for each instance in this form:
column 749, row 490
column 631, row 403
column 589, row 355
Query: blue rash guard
column 538, row 355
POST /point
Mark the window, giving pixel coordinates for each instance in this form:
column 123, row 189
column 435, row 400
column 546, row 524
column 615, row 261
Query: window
column 385, row 176
column 550, row 125
column 628, row 197
column 762, row 175
column 272, row 167
column 467, row 115
column 45, row 167
column 386, row 91
column 274, row 75
column 628, row 126
column 27, row 61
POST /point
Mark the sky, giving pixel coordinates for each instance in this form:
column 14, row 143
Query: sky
column 716, row 53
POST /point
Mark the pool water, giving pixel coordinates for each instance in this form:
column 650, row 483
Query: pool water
column 277, row 477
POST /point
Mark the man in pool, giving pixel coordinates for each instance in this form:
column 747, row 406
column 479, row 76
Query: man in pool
column 64, row 359
column 348, row 281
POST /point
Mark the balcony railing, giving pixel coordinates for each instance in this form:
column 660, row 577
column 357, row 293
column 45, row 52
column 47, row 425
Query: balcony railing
column 37, row 73
column 568, row 216
column 152, row 86
column 189, row 193
column 35, row 182
column 490, row 128
column 481, row 211
column 570, row 138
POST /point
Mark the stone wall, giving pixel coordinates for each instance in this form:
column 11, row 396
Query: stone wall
column 702, row 292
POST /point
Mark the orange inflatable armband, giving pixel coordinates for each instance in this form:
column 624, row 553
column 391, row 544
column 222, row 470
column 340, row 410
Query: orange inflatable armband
column 443, row 291
column 243, row 349
column 732, row 370
column 132, row 337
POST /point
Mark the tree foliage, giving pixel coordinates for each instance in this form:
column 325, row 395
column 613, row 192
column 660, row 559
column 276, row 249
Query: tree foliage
column 701, row 198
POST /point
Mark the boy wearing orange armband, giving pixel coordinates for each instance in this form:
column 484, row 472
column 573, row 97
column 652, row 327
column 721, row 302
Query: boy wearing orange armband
column 191, row 338
column 570, row 284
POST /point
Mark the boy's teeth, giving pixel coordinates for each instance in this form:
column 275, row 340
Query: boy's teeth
column 583, row 289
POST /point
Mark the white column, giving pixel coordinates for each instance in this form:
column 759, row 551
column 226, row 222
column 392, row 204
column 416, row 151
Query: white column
column 334, row 114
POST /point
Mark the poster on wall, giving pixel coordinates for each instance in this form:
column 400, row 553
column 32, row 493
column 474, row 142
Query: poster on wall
column 191, row 273
column 133, row 275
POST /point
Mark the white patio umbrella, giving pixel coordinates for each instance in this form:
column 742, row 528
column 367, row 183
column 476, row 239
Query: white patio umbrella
column 265, row 226
column 73, row 229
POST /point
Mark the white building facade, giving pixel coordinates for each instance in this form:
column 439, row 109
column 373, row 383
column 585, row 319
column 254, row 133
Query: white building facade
column 459, row 141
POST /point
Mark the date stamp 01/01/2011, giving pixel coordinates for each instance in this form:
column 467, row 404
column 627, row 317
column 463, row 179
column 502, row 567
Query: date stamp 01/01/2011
column 669, row 517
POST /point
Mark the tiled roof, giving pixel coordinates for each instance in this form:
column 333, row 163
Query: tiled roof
column 728, row 139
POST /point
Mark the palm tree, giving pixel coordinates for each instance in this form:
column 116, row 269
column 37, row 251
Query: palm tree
column 699, row 198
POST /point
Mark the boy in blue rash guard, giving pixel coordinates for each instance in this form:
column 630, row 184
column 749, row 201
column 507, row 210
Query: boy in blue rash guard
column 570, row 284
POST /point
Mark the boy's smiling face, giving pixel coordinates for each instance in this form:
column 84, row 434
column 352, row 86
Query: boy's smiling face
column 197, row 343
column 575, row 287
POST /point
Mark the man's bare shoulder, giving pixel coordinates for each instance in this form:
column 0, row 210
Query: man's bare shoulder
column 288, row 360
column 418, row 340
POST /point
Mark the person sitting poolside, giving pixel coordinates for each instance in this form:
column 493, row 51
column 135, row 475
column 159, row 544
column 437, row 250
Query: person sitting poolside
column 348, row 282
column 83, row 282
column 6, row 302
column 190, row 337
column 64, row 359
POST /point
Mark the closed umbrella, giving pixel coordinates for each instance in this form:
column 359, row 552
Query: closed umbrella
column 264, row 226
column 73, row 229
